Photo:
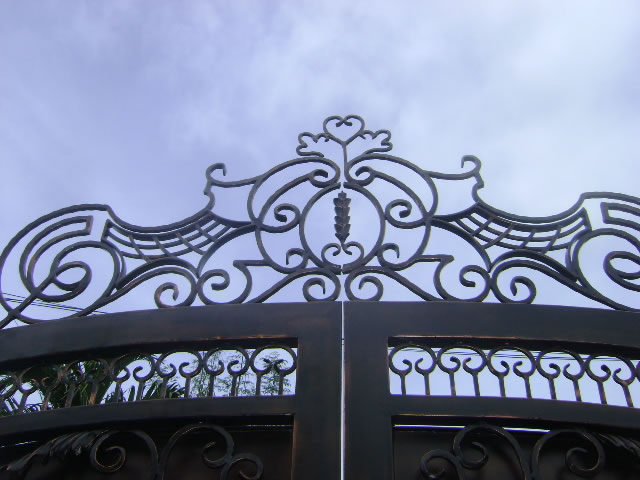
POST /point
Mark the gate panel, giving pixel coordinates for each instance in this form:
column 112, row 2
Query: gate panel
column 532, row 420
column 255, row 428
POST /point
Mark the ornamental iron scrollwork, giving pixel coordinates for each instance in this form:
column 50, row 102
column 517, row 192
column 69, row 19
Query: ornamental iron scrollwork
column 325, row 223
column 553, row 373
column 225, row 371
column 94, row 444
column 584, row 452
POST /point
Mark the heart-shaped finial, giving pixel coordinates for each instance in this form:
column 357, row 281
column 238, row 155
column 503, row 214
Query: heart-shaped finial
column 344, row 129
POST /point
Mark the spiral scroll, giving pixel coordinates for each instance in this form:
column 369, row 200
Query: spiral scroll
column 547, row 374
column 222, row 371
column 94, row 445
column 585, row 454
column 390, row 217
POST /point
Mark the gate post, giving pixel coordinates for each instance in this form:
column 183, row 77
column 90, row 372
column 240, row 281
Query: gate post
column 368, row 433
column 316, row 448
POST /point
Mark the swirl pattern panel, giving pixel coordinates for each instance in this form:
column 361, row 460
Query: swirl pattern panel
column 107, row 455
column 486, row 450
column 514, row 372
column 326, row 226
column 222, row 371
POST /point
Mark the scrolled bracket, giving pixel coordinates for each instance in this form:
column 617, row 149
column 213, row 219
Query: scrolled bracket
column 95, row 444
column 85, row 258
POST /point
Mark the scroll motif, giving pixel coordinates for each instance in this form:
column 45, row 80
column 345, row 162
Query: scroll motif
column 93, row 445
column 345, row 186
column 475, row 447
column 556, row 373
column 224, row 371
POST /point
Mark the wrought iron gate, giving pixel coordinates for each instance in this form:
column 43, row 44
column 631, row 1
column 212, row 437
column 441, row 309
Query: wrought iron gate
column 256, row 434
column 477, row 423
column 443, row 387
column 540, row 403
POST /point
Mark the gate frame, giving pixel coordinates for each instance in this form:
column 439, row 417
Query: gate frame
column 371, row 410
column 315, row 329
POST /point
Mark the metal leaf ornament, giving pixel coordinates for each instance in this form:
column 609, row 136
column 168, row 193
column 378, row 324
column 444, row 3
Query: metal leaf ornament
column 342, row 218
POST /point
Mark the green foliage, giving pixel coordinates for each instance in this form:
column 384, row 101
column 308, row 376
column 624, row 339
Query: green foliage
column 87, row 382
column 245, row 384
column 95, row 389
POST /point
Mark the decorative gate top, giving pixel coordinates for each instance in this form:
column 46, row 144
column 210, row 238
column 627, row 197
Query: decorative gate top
column 327, row 225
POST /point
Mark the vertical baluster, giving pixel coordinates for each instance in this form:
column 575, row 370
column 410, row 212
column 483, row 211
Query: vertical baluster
column 426, row 372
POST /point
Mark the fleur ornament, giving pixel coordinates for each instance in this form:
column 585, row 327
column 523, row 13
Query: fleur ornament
column 345, row 219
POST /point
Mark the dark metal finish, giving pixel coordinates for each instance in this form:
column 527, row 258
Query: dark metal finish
column 373, row 330
column 308, row 334
column 485, row 450
column 511, row 251
column 122, row 392
column 342, row 226
column 509, row 360
column 92, row 444
column 219, row 371
column 376, row 422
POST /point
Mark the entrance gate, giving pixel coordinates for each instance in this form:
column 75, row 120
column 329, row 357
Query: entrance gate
column 442, row 387
column 150, row 435
column 538, row 402
column 491, row 430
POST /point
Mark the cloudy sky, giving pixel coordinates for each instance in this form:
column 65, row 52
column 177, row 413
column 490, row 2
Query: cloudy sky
column 127, row 103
